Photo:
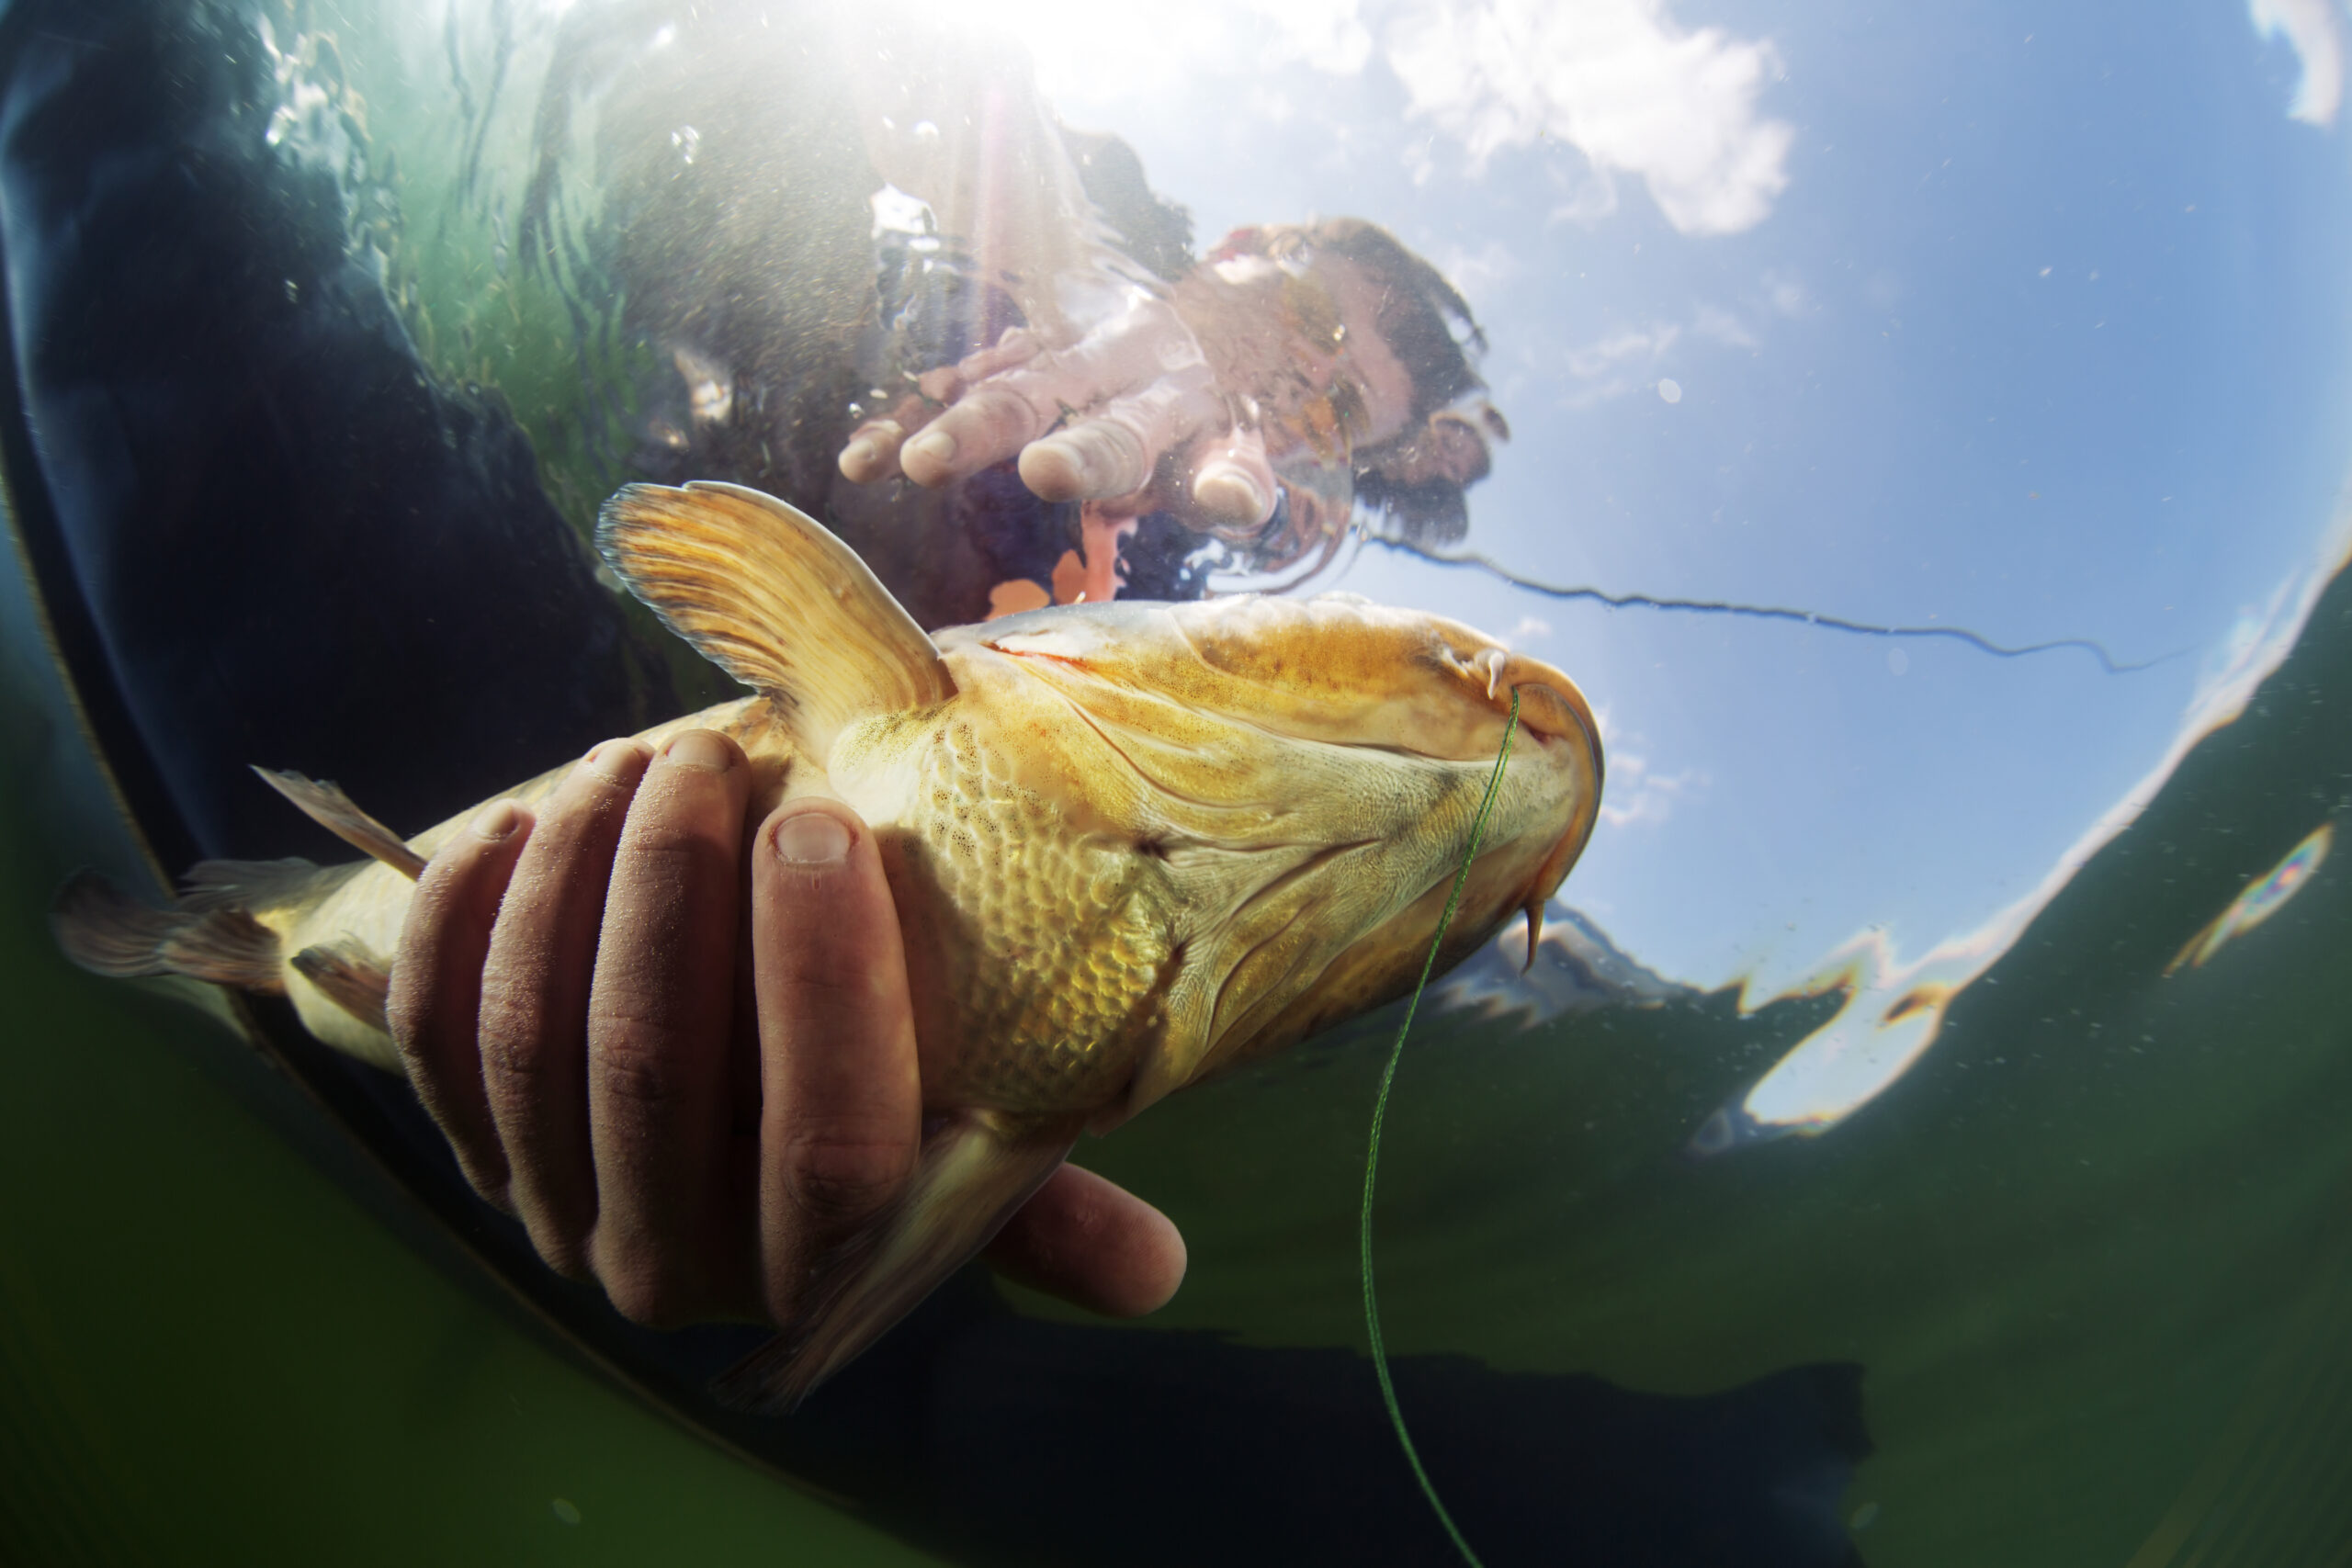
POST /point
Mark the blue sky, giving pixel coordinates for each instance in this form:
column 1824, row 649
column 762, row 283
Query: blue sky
column 2029, row 319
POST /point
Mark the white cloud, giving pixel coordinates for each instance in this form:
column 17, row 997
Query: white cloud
column 1637, row 794
column 1478, row 272
column 1635, row 346
column 1619, row 81
column 1530, row 627
column 1628, row 359
column 1621, row 363
column 2316, row 32
column 1721, row 326
column 1326, row 34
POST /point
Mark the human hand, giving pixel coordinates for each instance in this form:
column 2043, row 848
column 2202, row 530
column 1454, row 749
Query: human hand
column 686, row 1111
column 1092, row 422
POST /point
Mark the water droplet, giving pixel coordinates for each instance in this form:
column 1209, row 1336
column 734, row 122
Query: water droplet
column 569, row 1511
column 1670, row 389
column 1898, row 661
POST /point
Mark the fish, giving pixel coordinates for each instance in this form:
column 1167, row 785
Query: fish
column 1132, row 846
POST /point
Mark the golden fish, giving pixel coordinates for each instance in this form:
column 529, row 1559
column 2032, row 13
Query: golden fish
column 1130, row 844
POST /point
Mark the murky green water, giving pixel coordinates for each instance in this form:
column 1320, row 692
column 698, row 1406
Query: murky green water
column 2082, row 1229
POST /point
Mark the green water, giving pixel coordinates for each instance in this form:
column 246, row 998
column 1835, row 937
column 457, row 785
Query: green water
column 225, row 1338
column 2092, row 1251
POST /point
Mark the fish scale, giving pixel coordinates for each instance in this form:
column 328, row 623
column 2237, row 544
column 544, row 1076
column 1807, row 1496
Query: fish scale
column 1069, row 935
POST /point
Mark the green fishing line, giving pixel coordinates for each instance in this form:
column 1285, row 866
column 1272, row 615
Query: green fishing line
column 1380, row 1115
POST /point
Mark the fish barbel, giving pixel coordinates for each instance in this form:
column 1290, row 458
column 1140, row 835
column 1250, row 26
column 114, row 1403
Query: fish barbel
column 1130, row 844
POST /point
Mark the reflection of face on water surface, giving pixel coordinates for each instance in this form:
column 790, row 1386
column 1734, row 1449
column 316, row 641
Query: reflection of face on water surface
column 747, row 257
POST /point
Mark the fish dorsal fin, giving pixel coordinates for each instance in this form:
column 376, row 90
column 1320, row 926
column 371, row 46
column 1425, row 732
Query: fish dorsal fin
column 763, row 591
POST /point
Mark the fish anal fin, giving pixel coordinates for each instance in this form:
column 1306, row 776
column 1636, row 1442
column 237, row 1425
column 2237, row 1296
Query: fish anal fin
column 769, row 595
column 350, row 977
column 975, row 1170
column 325, row 803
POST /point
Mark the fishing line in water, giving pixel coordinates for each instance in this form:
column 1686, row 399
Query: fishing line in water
column 1768, row 612
column 1380, row 1116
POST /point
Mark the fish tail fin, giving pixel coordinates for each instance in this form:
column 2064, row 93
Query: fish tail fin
column 323, row 802
column 974, row 1172
column 107, row 932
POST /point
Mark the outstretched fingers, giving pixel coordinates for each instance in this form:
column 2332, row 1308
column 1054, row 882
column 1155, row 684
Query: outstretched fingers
column 1088, row 423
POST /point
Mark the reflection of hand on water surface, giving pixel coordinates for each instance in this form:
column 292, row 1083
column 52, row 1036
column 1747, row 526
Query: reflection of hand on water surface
column 1092, row 422
column 686, row 1113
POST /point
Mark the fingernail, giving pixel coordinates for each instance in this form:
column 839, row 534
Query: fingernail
column 934, row 446
column 857, row 457
column 701, row 749
column 1057, row 469
column 1230, row 493
column 495, row 822
column 620, row 761
column 814, row 841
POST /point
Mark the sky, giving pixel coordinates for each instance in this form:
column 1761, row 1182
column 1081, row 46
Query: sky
column 2024, row 319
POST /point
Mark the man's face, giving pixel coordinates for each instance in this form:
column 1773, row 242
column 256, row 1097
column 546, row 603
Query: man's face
column 1380, row 376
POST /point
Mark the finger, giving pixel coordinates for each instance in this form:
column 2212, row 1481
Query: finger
column 1015, row 349
column 872, row 452
column 1028, row 393
column 435, row 1001
column 841, row 1116
column 665, row 1244
column 1113, row 451
column 1233, row 480
column 989, row 425
column 535, row 983
column 1093, row 1244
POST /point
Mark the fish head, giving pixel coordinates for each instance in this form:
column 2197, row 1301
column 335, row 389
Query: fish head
column 1135, row 843
column 1304, row 774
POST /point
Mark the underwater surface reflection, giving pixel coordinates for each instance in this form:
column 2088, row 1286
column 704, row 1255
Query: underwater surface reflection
column 1915, row 1137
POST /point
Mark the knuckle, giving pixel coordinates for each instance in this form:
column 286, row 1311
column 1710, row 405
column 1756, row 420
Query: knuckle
column 510, row 1036
column 839, row 1173
column 630, row 1066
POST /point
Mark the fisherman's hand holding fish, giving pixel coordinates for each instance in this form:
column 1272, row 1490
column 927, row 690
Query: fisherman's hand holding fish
column 1127, row 846
column 570, row 999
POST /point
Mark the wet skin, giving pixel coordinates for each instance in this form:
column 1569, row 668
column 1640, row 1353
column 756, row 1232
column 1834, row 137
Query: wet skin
column 687, row 1113
column 1184, row 382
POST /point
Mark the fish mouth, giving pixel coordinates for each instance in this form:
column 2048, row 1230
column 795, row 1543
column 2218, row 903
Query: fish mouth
column 1553, row 712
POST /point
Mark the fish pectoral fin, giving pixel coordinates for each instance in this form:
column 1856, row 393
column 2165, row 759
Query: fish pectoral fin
column 974, row 1172
column 350, row 977
column 765, row 592
column 325, row 803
